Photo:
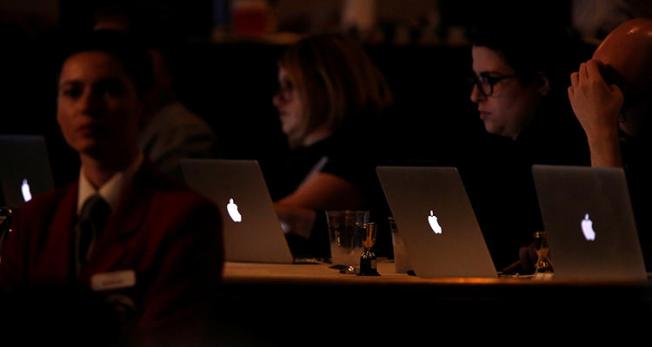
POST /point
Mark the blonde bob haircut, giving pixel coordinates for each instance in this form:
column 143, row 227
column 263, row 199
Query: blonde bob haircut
column 336, row 81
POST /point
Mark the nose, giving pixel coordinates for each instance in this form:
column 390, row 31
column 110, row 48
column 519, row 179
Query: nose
column 91, row 103
column 277, row 100
column 476, row 95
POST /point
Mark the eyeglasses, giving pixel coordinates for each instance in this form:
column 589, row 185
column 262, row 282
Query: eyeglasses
column 285, row 90
column 486, row 82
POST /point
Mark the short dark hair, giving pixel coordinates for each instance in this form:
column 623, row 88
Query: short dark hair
column 530, row 46
column 132, row 55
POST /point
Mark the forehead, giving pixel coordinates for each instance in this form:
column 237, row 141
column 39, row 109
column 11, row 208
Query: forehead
column 91, row 66
column 612, row 54
column 628, row 50
column 486, row 59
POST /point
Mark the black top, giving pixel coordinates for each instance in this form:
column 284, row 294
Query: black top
column 336, row 155
column 351, row 154
column 635, row 153
column 498, row 178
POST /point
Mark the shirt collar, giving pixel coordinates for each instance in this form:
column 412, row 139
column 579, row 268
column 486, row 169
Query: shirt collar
column 112, row 190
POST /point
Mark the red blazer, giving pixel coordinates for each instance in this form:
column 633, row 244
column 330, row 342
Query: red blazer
column 169, row 236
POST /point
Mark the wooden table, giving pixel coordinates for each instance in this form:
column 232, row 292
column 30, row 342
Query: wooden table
column 281, row 304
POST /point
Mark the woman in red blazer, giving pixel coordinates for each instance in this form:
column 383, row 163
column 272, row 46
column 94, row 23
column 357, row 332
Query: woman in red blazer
column 145, row 247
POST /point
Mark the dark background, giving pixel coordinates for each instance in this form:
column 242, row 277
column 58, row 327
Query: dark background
column 230, row 84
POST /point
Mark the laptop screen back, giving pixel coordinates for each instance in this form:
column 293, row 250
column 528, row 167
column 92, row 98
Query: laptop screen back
column 25, row 171
column 434, row 217
column 588, row 217
column 252, row 232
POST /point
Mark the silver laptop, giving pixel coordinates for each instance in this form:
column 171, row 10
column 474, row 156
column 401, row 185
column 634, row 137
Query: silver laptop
column 252, row 232
column 434, row 217
column 588, row 218
column 24, row 170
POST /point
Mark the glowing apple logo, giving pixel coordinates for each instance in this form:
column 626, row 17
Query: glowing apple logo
column 24, row 188
column 232, row 209
column 434, row 224
column 587, row 228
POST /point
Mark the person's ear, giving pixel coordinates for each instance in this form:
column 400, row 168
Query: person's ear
column 544, row 84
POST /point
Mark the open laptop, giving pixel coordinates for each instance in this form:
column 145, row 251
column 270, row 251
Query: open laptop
column 252, row 232
column 588, row 218
column 25, row 170
column 434, row 217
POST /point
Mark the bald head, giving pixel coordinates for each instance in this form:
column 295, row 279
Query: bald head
column 628, row 50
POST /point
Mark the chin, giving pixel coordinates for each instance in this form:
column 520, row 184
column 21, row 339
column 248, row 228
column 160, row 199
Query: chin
column 489, row 128
column 83, row 145
column 93, row 148
column 493, row 130
column 289, row 130
column 93, row 152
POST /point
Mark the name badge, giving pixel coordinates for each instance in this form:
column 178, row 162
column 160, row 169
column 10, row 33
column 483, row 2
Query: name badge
column 113, row 280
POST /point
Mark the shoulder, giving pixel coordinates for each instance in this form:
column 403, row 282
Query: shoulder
column 48, row 200
column 175, row 117
column 45, row 209
column 182, row 199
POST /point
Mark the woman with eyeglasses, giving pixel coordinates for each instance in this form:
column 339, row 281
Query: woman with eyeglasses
column 329, row 99
column 519, row 78
column 519, row 81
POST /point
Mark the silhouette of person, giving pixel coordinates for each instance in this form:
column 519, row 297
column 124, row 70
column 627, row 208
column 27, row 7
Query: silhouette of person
column 330, row 94
column 124, row 234
column 170, row 131
column 519, row 87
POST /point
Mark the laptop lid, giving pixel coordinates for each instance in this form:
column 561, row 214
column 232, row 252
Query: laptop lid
column 588, row 218
column 435, row 219
column 25, row 170
column 252, row 232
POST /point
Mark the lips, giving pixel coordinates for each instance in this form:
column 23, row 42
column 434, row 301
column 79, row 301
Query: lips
column 484, row 114
column 284, row 117
column 89, row 129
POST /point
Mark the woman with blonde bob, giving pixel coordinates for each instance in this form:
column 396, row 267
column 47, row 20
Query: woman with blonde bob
column 329, row 99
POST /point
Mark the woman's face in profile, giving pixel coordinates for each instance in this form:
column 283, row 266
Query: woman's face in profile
column 288, row 103
column 505, row 103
